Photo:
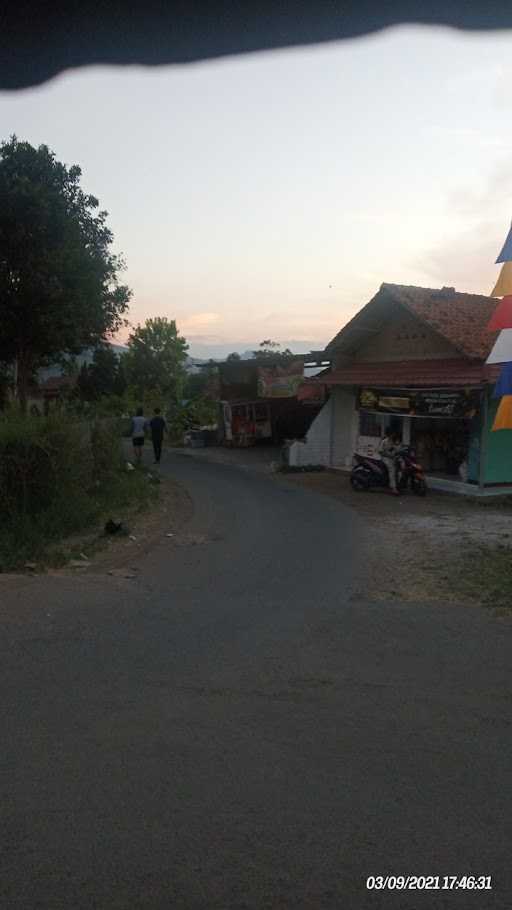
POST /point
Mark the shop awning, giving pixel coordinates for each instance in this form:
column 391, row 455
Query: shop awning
column 410, row 373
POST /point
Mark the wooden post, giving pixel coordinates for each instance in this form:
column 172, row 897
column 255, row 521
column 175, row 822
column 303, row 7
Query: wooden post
column 484, row 410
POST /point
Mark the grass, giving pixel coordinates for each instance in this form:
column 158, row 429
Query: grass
column 485, row 575
column 59, row 478
column 48, row 539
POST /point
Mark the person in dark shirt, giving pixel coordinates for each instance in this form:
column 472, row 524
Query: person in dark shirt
column 158, row 428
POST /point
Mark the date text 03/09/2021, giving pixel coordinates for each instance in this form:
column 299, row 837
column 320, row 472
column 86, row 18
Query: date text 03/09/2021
column 429, row 882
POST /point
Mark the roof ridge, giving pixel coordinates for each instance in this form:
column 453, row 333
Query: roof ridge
column 459, row 317
column 387, row 285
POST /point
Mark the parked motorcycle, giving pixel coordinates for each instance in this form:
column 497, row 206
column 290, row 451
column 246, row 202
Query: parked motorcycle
column 372, row 472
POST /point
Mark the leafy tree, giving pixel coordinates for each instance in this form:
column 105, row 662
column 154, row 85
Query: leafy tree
column 84, row 388
column 5, row 381
column 104, row 376
column 234, row 356
column 203, row 384
column 195, row 384
column 59, row 288
column 156, row 358
column 120, row 384
column 271, row 350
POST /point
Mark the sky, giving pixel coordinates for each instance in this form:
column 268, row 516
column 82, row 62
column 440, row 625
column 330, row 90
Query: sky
column 270, row 195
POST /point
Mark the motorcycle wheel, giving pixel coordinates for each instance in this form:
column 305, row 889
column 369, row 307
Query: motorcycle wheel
column 419, row 486
column 359, row 481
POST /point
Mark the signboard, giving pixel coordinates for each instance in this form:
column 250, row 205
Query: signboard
column 280, row 381
column 458, row 403
column 311, row 393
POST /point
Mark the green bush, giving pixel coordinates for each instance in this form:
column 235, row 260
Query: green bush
column 106, row 448
column 57, row 476
column 41, row 460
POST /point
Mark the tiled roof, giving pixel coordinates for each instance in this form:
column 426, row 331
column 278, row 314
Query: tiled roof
column 461, row 319
column 407, row 373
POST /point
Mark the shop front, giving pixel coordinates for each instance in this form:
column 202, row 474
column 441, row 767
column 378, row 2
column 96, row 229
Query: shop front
column 413, row 361
column 443, row 425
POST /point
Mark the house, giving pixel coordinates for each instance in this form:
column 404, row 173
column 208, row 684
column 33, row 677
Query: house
column 413, row 359
column 258, row 400
column 53, row 383
column 49, row 392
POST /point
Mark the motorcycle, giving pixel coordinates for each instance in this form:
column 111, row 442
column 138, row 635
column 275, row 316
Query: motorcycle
column 372, row 472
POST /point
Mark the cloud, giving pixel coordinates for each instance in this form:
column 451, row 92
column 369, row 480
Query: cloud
column 467, row 136
column 198, row 320
column 487, row 202
column 206, row 339
column 466, row 260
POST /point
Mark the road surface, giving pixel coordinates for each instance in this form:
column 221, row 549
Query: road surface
column 234, row 729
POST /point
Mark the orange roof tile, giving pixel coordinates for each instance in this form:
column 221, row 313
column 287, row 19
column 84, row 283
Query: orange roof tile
column 460, row 318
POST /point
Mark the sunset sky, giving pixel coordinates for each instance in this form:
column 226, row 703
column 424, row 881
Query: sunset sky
column 269, row 196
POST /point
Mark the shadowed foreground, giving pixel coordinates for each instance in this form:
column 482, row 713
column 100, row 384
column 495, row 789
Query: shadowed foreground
column 232, row 729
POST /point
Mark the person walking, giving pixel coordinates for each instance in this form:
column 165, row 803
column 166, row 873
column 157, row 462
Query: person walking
column 158, row 427
column 138, row 431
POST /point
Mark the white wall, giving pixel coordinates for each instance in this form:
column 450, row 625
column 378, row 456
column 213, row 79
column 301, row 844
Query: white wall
column 331, row 437
column 317, row 445
column 345, row 429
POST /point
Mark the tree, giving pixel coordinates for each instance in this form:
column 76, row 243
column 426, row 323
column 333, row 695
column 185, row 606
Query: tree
column 195, row 384
column 203, row 384
column 270, row 350
column 156, row 358
column 234, row 356
column 59, row 288
column 5, row 380
column 104, row 376
column 120, row 383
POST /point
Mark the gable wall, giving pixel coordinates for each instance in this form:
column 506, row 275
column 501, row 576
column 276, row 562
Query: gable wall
column 404, row 338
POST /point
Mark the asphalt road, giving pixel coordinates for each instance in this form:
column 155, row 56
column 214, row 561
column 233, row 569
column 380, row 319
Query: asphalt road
column 233, row 729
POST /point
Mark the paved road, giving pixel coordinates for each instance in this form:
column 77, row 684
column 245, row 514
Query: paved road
column 234, row 730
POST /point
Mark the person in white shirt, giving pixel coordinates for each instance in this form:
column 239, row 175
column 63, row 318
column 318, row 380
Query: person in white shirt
column 388, row 451
column 138, row 431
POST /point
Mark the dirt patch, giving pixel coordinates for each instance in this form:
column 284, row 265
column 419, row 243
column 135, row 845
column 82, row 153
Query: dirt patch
column 119, row 554
column 441, row 548
column 171, row 512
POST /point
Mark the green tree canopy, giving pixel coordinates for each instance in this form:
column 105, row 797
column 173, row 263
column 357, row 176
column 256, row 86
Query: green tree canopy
column 59, row 288
column 156, row 358
column 104, row 376
column 271, row 350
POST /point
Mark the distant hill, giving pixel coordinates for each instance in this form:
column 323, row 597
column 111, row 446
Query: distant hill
column 86, row 356
column 203, row 351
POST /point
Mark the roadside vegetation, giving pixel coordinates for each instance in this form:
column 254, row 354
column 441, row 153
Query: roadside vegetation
column 61, row 295
column 150, row 374
column 59, row 477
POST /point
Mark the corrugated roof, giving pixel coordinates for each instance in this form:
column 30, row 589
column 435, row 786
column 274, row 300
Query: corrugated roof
column 407, row 373
column 460, row 318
